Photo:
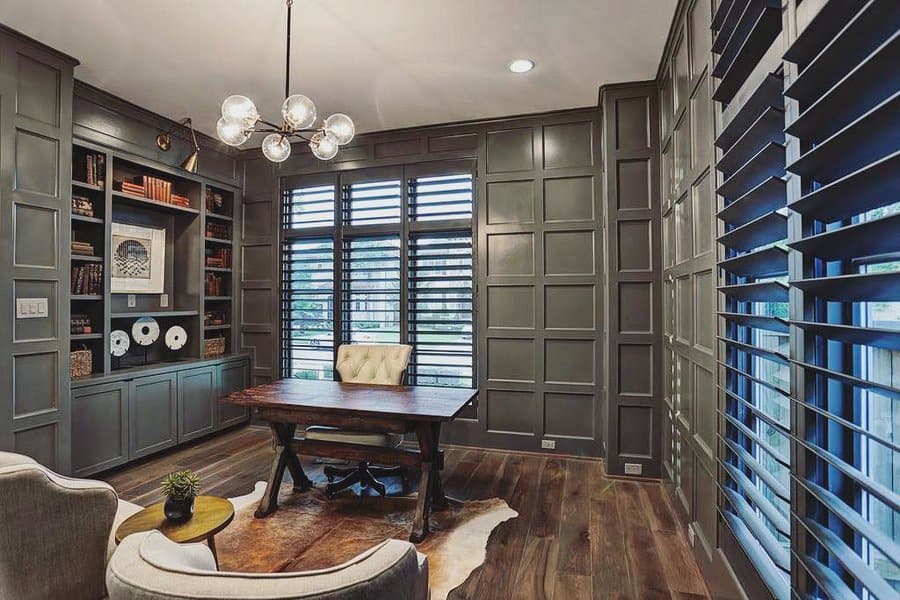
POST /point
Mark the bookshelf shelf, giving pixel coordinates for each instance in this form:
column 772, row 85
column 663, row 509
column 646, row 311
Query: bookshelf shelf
column 212, row 215
column 217, row 269
column 85, row 258
column 87, row 186
column 216, row 327
column 84, row 219
column 153, row 204
column 79, row 337
column 217, row 298
column 157, row 314
column 85, row 297
column 214, row 240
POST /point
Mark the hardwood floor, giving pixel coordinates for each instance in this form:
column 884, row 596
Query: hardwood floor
column 579, row 534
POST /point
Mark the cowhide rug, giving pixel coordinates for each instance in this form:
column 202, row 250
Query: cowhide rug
column 310, row 532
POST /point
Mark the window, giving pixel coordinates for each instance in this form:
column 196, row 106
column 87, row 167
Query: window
column 403, row 272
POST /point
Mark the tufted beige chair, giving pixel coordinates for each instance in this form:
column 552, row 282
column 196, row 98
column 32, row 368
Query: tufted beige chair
column 371, row 364
column 55, row 531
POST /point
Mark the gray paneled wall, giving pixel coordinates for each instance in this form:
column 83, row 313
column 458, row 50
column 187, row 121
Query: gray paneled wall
column 688, row 182
column 35, row 168
column 631, row 169
column 539, row 261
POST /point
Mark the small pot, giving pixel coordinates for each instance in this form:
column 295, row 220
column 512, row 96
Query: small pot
column 179, row 509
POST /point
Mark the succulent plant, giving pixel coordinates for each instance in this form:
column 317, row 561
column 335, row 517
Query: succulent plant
column 181, row 485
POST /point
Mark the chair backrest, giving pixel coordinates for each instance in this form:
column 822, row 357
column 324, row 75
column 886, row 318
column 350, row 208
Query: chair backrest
column 148, row 566
column 378, row 364
column 54, row 532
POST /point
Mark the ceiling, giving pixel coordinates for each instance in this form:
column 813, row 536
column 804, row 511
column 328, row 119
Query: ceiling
column 386, row 63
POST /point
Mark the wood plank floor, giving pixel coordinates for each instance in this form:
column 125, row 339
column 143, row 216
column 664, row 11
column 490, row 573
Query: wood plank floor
column 579, row 534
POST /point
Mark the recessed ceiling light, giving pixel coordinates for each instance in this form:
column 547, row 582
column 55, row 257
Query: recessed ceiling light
column 521, row 65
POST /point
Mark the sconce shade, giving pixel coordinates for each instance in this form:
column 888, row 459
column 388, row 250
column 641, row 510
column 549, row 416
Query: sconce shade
column 190, row 163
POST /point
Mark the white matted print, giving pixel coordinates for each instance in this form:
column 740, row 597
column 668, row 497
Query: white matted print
column 138, row 259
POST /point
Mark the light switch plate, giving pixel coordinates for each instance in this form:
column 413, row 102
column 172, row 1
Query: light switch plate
column 548, row 444
column 633, row 468
column 32, row 308
column 132, row 300
column 163, row 300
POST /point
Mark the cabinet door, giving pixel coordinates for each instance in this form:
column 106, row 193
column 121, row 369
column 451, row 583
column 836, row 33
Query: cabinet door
column 99, row 427
column 233, row 377
column 153, row 414
column 196, row 402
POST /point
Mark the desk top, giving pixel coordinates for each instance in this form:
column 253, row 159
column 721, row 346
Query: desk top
column 414, row 402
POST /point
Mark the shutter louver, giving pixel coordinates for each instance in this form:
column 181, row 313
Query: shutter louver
column 753, row 268
column 370, row 304
column 847, row 317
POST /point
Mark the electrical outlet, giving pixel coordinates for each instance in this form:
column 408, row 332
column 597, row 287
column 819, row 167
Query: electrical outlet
column 691, row 535
column 163, row 300
column 633, row 469
column 132, row 300
column 548, row 444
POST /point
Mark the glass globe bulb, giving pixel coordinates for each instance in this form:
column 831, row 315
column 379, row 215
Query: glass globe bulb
column 323, row 146
column 240, row 108
column 340, row 128
column 231, row 131
column 276, row 147
column 298, row 111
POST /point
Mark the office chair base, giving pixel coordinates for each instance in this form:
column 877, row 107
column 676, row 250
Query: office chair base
column 364, row 474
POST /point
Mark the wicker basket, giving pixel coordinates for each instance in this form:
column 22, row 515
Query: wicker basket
column 213, row 347
column 81, row 363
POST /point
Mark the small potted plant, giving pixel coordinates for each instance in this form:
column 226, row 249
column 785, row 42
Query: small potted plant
column 180, row 488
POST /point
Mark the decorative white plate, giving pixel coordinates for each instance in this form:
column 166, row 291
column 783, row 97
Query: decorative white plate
column 176, row 337
column 119, row 342
column 145, row 331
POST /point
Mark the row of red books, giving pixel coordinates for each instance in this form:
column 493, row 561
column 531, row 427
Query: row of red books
column 215, row 285
column 220, row 258
column 87, row 280
column 217, row 230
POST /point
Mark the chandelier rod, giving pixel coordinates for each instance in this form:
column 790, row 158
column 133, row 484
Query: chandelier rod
column 287, row 61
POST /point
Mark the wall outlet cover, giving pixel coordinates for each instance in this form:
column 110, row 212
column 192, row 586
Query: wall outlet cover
column 163, row 300
column 132, row 300
column 633, row 469
column 548, row 444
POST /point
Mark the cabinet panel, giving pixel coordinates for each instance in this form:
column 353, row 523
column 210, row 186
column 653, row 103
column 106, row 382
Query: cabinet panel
column 196, row 402
column 99, row 428
column 153, row 414
column 233, row 377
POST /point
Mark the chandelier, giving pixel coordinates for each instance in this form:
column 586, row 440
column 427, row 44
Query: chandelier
column 240, row 120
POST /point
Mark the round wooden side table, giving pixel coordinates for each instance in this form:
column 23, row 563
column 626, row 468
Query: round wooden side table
column 211, row 515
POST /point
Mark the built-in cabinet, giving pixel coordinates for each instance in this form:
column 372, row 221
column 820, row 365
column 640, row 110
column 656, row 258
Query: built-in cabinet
column 128, row 418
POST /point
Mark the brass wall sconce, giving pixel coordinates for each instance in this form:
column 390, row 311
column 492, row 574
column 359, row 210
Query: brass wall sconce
column 164, row 143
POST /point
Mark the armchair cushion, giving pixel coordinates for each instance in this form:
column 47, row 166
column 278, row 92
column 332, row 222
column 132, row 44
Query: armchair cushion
column 148, row 566
column 378, row 364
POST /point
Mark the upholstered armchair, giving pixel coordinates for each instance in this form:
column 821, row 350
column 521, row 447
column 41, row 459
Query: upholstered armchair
column 148, row 566
column 371, row 364
column 55, row 532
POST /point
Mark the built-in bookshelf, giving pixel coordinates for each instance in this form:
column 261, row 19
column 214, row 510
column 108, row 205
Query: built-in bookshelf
column 197, row 216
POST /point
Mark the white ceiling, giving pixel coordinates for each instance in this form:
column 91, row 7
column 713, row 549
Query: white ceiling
column 386, row 63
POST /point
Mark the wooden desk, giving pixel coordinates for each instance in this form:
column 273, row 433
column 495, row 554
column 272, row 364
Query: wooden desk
column 287, row 403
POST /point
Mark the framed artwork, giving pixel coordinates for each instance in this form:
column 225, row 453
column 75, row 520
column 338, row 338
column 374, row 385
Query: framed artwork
column 138, row 259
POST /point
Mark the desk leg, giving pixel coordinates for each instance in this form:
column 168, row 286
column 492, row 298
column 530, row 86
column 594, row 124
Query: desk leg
column 269, row 502
column 285, row 433
column 430, row 487
column 439, row 500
